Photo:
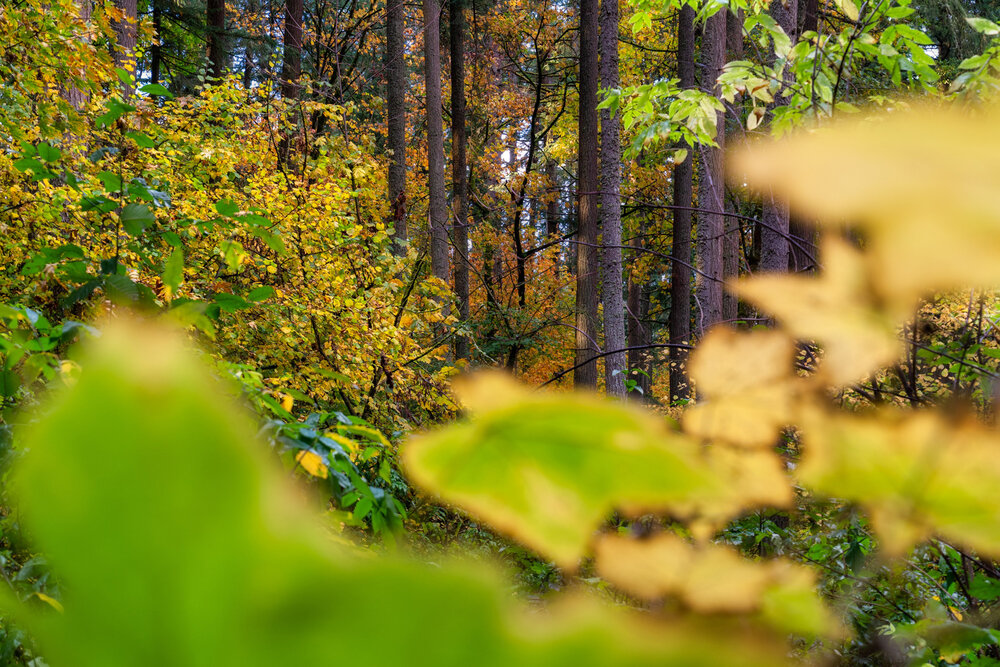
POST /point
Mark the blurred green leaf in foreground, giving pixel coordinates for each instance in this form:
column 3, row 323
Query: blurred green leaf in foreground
column 177, row 545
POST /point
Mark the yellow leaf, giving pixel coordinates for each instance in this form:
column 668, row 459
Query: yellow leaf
column 836, row 310
column 287, row 402
column 51, row 601
column 713, row 579
column 312, row 463
column 746, row 381
column 899, row 177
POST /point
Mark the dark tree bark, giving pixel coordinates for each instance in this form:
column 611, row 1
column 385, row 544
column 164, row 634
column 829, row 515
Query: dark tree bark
column 683, row 177
column 639, row 334
column 774, row 232
column 395, row 64
column 611, row 209
column 711, row 185
column 552, row 204
column 156, row 49
column 731, row 241
column 459, row 170
column 126, row 32
column 291, row 64
column 215, row 16
column 585, row 375
column 76, row 97
column 438, row 206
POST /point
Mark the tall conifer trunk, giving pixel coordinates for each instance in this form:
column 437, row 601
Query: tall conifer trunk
column 438, row 206
column 611, row 210
column 711, row 185
column 683, row 177
column 585, row 375
column 395, row 64
column 459, row 170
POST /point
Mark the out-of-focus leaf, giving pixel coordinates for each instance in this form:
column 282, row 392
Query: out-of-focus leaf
column 715, row 579
column 179, row 545
column 549, row 468
column 861, row 172
column 173, row 271
column 136, row 218
column 747, row 384
column 917, row 473
column 836, row 310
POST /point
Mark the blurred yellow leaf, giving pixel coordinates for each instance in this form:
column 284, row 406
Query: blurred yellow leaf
column 835, row 310
column 711, row 578
column 917, row 473
column 920, row 184
column 747, row 382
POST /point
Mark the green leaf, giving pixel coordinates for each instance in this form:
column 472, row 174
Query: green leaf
column 983, row 26
column 177, row 542
column 155, row 89
column 141, row 139
column 10, row 382
column 226, row 208
column 48, row 153
column 549, row 469
column 120, row 289
column 230, row 303
column 112, row 182
column 260, row 293
column 136, row 218
column 173, row 270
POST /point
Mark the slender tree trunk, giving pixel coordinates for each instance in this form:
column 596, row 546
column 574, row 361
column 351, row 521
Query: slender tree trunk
column 774, row 232
column 215, row 16
column 711, row 190
column 76, row 97
column 459, row 170
column 585, row 375
column 291, row 64
column 438, row 207
column 639, row 333
column 731, row 241
column 683, row 177
column 552, row 201
column 156, row 49
column 395, row 64
column 810, row 15
column 127, row 33
column 611, row 210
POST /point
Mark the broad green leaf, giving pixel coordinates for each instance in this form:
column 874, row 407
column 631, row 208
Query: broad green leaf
column 173, row 271
column 141, row 139
column 155, row 89
column 178, row 544
column 260, row 293
column 230, row 303
column 136, row 218
column 48, row 153
column 549, row 468
column 10, row 382
column 120, row 289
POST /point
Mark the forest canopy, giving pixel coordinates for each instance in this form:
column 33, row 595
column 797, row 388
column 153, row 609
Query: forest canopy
column 459, row 332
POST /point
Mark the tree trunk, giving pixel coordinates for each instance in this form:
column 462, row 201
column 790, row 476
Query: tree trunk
column 611, row 210
column 552, row 202
column 395, row 64
column 156, row 49
column 78, row 98
column 215, row 16
column 774, row 232
column 683, row 177
column 126, row 32
column 639, row 334
column 438, row 206
column 711, row 186
column 291, row 64
column 585, row 375
column 459, row 170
